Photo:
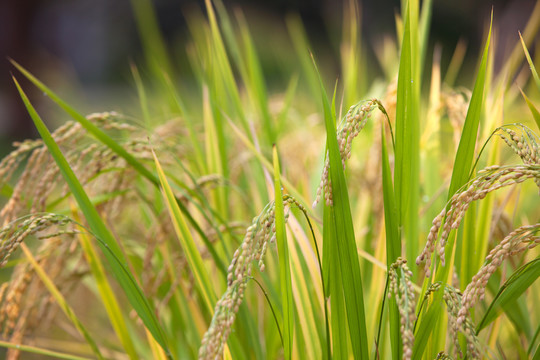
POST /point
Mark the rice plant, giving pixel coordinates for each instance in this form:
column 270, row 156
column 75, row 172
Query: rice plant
column 246, row 222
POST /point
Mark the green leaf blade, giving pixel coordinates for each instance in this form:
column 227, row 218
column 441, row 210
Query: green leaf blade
column 284, row 265
column 534, row 111
column 512, row 289
column 393, row 243
column 407, row 152
column 347, row 254
column 194, row 259
column 467, row 143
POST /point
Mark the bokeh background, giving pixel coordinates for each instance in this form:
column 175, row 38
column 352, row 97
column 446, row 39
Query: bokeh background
column 84, row 47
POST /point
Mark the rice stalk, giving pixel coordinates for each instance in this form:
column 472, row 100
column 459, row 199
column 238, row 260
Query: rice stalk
column 259, row 235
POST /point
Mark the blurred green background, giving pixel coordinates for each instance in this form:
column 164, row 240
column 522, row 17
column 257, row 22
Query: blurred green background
column 83, row 48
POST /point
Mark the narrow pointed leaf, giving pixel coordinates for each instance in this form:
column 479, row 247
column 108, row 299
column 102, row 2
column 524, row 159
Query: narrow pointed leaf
column 512, row 289
column 284, row 266
column 407, row 153
column 531, row 64
column 467, row 143
column 532, row 108
column 40, row 351
column 88, row 125
column 393, row 243
column 61, row 301
column 428, row 321
column 107, row 296
column 350, row 279
column 187, row 242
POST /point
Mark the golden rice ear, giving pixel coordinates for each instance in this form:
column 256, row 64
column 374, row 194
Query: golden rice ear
column 14, row 233
column 488, row 180
column 253, row 248
column 518, row 241
column 349, row 128
column 524, row 143
column 453, row 300
column 38, row 181
column 401, row 286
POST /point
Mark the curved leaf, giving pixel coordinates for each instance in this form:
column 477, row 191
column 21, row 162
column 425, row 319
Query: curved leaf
column 513, row 288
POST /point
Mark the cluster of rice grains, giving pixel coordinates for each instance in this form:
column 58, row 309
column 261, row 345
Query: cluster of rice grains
column 453, row 300
column 492, row 178
column 38, row 184
column 25, row 303
column 259, row 235
column 518, row 241
column 350, row 127
column 524, row 145
column 12, row 234
column 402, row 288
column 489, row 179
column 95, row 165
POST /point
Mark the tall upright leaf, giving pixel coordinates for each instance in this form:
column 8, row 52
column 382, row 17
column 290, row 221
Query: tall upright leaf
column 347, row 254
column 223, row 75
column 284, row 266
column 460, row 175
column 532, row 108
column 193, row 256
column 407, row 165
column 530, row 62
column 534, row 111
column 393, row 243
column 467, row 142
column 151, row 38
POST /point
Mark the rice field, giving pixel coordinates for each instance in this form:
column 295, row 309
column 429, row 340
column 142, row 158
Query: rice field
column 324, row 218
